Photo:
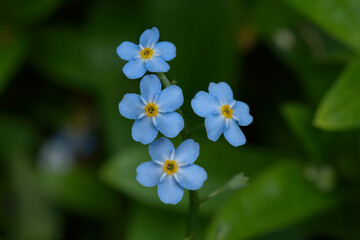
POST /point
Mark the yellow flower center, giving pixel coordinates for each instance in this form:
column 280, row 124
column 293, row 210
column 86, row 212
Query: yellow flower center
column 146, row 53
column 226, row 111
column 170, row 167
column 151, row 110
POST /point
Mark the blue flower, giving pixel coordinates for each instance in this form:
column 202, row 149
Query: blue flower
column 222, row 113
column 150, row 55
column 172, row 170
column 154, row 110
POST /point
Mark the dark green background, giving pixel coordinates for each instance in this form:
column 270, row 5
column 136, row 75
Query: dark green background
column 294, row 62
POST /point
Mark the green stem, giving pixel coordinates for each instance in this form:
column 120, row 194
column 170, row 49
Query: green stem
column 198, row 127
column 164, row 80
column 194, row 199
column 193, row 212
column 213, row 194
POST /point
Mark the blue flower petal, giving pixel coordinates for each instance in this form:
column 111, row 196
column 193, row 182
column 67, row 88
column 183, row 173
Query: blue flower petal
column 187, row 152
column 205, row 104
column 215, row 125
column 167, row 50
column 150, row 86
column 156, row 64
column 170, row 99
column 169, row 124
column 149, row 36
column 131, row 106
column 222, row 91
column 134, row 68
column 149, row 173
column 144, row 131
column 191, row 177
column 169, row 190
column 241, row 112
column 161, row 149
column 128, row 50
column 234, row 135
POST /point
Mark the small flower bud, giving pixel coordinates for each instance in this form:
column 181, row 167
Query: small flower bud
column 237, row 182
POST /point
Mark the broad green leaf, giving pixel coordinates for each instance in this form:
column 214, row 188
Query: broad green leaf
column 81, row 192
column 299, row 118
column 120, row 171
column 341, row 19
column 13, row 49
column 340, row 108
column 153, row 224
column 277, row 198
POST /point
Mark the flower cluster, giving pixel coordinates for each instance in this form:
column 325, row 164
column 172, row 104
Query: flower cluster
column 154, row 110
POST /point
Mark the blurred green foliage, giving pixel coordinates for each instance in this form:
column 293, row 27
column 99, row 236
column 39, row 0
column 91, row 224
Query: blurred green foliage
column 283, row 186
column 118, row 170
column 67, row 157
column 340, row 109
column 13, row 50
column 339, row 18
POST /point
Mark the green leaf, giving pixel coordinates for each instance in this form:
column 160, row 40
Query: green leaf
column 299, row 118
column 341, row 19
column 152, row 224
column 13, row 48
column 120, row 171
column 277, row 198
column 340, row 108
column 81, row 192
